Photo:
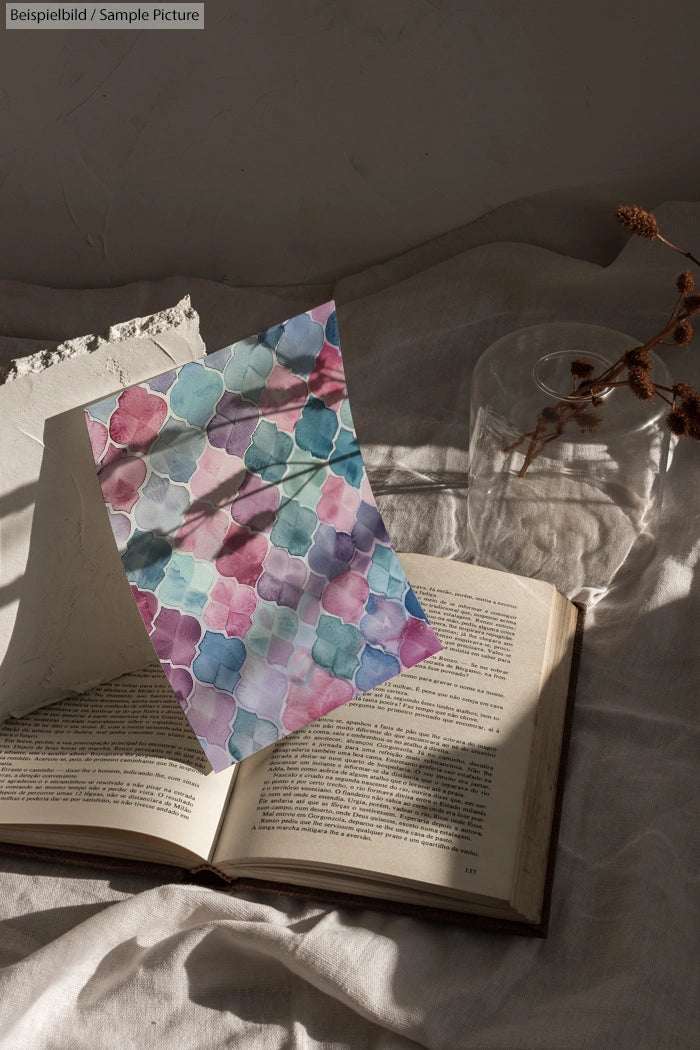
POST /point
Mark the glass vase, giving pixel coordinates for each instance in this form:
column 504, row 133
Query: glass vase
column 568, row 510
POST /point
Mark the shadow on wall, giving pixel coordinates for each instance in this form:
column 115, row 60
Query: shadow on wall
column 305, row 145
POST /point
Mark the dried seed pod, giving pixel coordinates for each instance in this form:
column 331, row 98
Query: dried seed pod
column 640, row 384
column 581, row 369
column 683, row 333
column 638, row 220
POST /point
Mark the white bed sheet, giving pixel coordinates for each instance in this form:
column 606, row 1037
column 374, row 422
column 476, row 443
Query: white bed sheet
column 92, row 960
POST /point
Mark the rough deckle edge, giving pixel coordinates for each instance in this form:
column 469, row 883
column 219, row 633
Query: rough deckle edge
column 153, row 324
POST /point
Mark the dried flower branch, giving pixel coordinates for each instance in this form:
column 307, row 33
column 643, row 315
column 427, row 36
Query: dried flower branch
column 644, row 224
column 633, row 369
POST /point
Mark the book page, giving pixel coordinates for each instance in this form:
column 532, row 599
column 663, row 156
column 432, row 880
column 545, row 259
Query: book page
column 120, row 757
column 422, row 777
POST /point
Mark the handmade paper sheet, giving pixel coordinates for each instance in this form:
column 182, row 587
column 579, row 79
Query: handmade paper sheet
column 67, row 621
column 251, row 539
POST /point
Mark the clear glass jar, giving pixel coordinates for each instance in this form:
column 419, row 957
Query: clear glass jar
column 571, row 510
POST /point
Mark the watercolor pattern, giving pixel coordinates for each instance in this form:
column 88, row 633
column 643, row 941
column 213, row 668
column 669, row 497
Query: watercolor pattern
column 251, row 539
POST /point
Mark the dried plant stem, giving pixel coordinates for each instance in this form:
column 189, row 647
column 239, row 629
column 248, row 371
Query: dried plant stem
column 681, row 251
column 632, row 369
column 552, row 422
column 537, row 445
column 644, row 224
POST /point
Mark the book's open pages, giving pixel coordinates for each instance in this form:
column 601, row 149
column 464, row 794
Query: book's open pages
column 436, row 779
column 117, row 771
column 436, row 788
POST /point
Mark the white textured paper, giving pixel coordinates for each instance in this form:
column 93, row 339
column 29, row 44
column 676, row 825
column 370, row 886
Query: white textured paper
column 67, row 619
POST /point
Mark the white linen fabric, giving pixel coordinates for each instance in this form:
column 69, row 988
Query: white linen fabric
column 98, row 960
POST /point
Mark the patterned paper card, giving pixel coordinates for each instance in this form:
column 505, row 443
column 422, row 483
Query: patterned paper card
column 253, row 545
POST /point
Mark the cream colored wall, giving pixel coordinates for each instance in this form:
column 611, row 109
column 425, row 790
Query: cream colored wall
column 295, row 141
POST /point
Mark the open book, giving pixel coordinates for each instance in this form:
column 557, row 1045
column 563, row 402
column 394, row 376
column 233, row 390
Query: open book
column 436, row 790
